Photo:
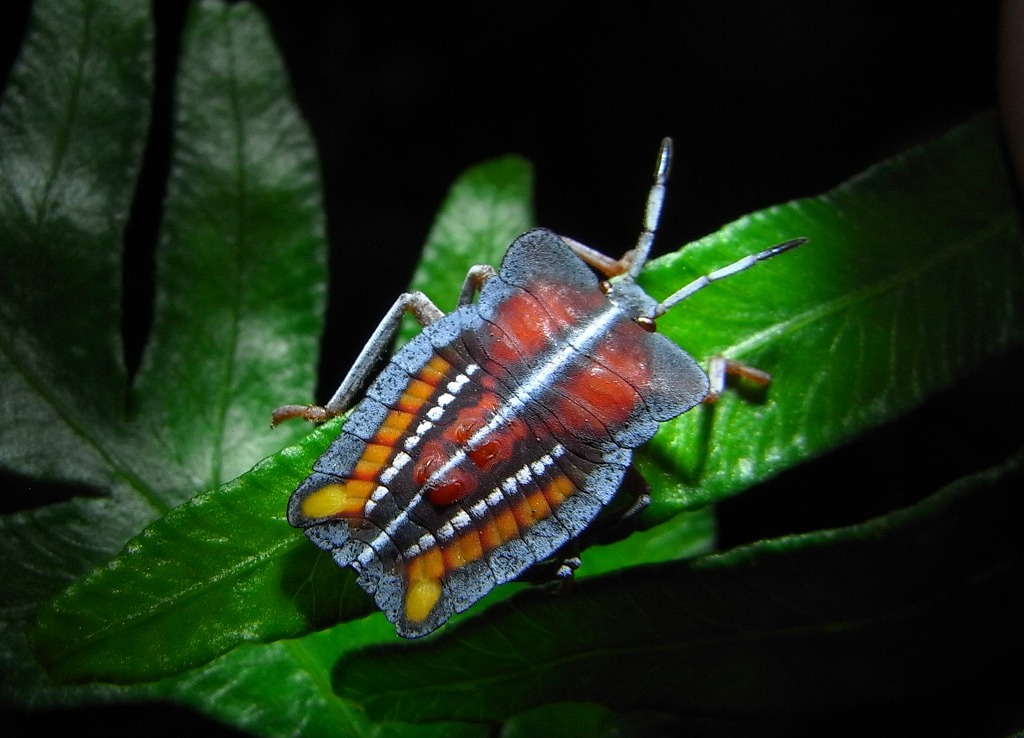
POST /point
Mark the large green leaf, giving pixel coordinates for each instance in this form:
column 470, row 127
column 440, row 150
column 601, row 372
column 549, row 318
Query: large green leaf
column 226, row 567
column 252, row 551
column 913, row 275
column 240, row 291
column 73, row 122
column 835, row 619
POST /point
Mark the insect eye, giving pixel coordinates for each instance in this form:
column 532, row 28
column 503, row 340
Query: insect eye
column 605, row 286
column 647, row 323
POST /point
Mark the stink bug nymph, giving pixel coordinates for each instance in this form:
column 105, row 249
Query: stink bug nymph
column 500, row 431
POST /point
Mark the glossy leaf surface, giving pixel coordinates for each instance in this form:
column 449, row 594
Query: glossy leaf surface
column 195, row 600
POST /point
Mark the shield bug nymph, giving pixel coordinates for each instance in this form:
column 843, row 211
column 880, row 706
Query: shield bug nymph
column 500, row 431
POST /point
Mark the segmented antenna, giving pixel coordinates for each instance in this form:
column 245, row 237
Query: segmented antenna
column 638, row 256
column 737, row 266
column 653, row 212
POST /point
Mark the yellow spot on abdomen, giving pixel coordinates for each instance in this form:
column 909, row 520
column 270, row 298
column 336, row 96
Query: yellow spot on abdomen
column 419, row 389
column 376, row 453
column 345, row 499
column 558, row 490
column 424, row 588
column 420, row 599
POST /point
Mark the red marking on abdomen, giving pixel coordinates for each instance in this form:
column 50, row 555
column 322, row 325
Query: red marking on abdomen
column 432, row 457
column 624, row 351
column 568, row 307
column 528, row 328
column 456, row 484
column 611, row 384
column 601, row 392
column 532, row 320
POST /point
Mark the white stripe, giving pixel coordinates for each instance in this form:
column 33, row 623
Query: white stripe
column 446, row 532
column 456, row 384
column 543, row 376
column 523, row 476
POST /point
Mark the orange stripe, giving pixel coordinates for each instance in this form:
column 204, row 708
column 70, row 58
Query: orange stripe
column 435, row 370
column 424, row 572
column 490, row 536
column 393, row 427
column 558, row 489
column 419, row 389
column 409, row 403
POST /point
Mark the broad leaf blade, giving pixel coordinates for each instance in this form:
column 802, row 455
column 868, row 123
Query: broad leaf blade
column 184, row 592
column 913, row 275
column 44, row 550
column 102, row 593
column 241, row 261
column 72, row 122
column 283, row 689
column 927, row 595
column 227, row 568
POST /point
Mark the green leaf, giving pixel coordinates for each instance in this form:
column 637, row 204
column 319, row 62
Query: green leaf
column 72, row 122
column 84, row 631
column 227, row 568
column 913, row 275
column 242, row 258
column 183, row 569
column 240, row 291
column 283, row 689
column 929, row 594
column 65, row 191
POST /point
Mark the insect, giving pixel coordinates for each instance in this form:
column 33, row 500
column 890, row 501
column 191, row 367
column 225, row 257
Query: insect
column 500, row 431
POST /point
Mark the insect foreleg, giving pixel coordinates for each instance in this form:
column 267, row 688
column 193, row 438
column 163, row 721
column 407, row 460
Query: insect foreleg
column 475, row 278
column 719, row 367
column 416, row 304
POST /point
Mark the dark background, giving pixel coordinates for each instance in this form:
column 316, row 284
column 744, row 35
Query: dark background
column 766, row 102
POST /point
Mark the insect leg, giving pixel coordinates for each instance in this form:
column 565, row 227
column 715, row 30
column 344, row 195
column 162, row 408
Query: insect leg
column 416, row 304
column 475, row 278
column 633, row 260
column 600, row 262
column 719, row 367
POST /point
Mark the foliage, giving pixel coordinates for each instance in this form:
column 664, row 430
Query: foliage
column 172, row 574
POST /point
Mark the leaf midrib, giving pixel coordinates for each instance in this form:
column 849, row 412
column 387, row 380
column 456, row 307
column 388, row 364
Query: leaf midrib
column 230, row 364
column 113, row 627
column 80, row 427
column 895, row 282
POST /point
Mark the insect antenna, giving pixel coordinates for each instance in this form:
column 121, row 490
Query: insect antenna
column 727, row 271
column 652, row 213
